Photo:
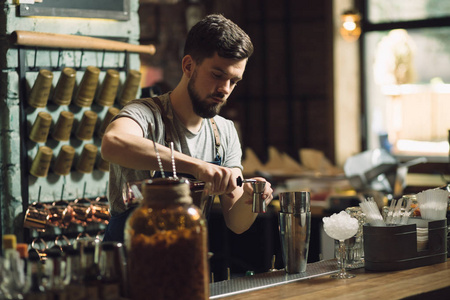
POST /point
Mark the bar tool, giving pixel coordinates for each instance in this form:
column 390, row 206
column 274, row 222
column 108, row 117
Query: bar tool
column 111, row 113
column 61, row 214
column 207, row 200
column 295, row 228
column 64, row 88
column 109, row 88
column 82, row 209
column 41, row 162
column 41, row 89
column 103, row 165
column 100, row 209
column 36, row 217
column 63, row 163
column 130, row 87
column 86, row 128
column 86, row 161
column 88, row 86
column 63, row 126
column 41, row 127
column 240, row 181
column 259, row 204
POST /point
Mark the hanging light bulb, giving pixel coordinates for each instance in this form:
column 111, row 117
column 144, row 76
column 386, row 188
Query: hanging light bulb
column 350, row 25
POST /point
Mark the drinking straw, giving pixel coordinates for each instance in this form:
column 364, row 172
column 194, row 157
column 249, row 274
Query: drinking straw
column 433, row 204
column 373, row 215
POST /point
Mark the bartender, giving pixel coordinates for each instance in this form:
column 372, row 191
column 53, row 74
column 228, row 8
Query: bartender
column 206, row 145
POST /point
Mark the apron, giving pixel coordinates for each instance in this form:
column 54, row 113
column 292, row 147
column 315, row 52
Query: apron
column 115, row 229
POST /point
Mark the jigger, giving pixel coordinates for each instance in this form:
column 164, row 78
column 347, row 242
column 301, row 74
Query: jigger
column 88, row 86
column 86, row 128
column 259, row 204
column 110, row 113
column 41, row 127
column 63, row 163
column 64, row 88
column 295, row 228
column 86, row 161
column 109, row 88
column 63, row 126
column 41, row 89
column 41, row 162
column 130, row 88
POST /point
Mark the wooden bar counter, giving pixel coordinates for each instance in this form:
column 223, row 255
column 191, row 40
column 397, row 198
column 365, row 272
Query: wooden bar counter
column 429, row 282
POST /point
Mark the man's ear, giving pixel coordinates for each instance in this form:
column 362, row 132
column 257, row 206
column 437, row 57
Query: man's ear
column 188, row 65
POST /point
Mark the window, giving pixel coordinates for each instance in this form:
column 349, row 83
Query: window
column 406, row 63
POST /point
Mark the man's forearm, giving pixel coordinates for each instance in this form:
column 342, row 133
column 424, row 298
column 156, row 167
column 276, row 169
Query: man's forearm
column 137, row 153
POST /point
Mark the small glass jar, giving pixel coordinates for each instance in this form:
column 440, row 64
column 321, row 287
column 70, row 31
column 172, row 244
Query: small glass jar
column 414, row 204
column 166, row 243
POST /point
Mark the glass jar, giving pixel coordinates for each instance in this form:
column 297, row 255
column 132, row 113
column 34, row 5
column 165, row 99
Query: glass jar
column 166, row 244
column 414, row 204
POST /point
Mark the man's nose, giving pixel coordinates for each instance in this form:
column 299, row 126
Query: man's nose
column 225, row 87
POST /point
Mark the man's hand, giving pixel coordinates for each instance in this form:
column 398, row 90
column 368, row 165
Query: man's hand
column 222, row 179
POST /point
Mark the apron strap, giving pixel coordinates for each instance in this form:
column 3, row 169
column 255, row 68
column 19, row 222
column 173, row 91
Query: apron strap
column 167, row 125
column 216, row 133
column 165, row 120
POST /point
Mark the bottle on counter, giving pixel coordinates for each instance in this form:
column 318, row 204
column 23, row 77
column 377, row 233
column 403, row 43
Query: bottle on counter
column 91, row 273
column 55, row 284
column 110, row 271
column 73, row 279
column 22, row 249
column 13, row 282
column 166, row 243
column 34, row 289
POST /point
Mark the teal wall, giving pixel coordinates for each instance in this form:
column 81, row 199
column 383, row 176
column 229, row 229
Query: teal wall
column 12, row 139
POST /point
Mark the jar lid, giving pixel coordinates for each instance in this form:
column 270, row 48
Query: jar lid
column 168, row 189
column 166, row 181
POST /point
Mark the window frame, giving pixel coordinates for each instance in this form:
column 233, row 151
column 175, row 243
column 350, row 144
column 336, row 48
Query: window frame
column 367, row 27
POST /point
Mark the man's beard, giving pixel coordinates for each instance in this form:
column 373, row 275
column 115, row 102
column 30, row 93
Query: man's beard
column 201, row 107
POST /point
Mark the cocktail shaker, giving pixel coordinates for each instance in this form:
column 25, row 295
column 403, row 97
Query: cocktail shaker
column 295, row 228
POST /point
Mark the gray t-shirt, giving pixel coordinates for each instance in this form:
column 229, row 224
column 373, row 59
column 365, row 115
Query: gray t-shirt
column 200, row 145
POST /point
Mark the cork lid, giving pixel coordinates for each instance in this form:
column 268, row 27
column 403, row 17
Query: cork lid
column 9, row 241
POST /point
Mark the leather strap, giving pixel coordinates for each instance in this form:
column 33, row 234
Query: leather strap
column 216, row 133
column 165, row 120
column 167, row 124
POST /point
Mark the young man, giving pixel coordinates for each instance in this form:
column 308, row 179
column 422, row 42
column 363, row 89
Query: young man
column 207, row 145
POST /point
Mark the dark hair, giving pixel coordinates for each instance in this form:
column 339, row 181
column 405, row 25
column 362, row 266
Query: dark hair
column 215, row 33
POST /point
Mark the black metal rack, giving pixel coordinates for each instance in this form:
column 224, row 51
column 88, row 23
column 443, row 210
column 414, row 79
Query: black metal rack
column 22, row 69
